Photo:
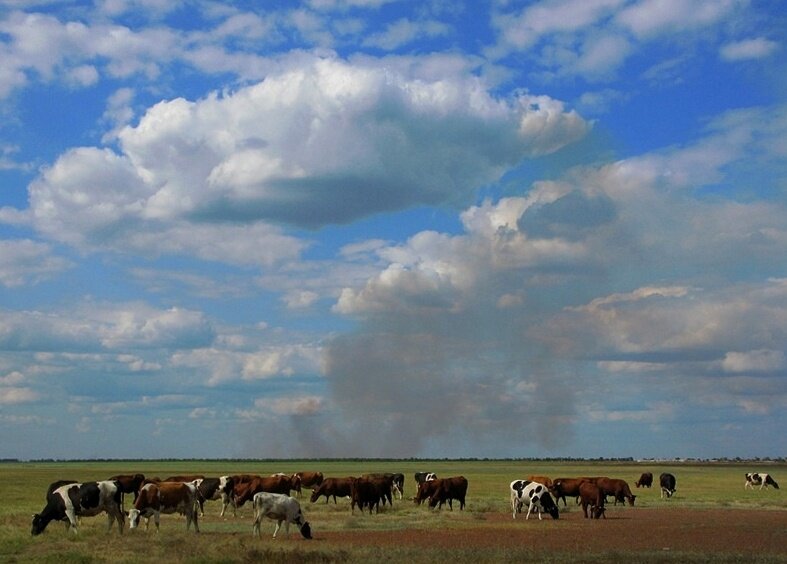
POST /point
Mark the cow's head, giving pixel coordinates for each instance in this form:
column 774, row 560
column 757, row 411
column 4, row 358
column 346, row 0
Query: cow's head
column 39, row 524
column 598, row 511
column 549, row 505
column 306, row 530
column 631, row 499
column 133, row 518
column 315, row 495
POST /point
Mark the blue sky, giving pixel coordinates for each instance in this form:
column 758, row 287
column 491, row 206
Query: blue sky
column 392, row 228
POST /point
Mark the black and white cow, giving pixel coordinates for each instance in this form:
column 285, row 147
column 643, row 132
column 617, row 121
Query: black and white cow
column 759, row 479
column 667, row 482
column 280, row 508
column 421, row 477
column 67, row 502
column 535, row 495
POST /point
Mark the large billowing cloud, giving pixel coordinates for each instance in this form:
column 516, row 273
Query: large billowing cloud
column 510, row 329
column 320, row 142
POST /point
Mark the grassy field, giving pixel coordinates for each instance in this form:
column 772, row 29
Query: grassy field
column 700, row 486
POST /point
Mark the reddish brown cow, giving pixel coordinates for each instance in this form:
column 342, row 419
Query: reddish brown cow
column 425, row 491
column 617, row 488
column 184, row 478
column 567, row 487
column 541, row 480
column 309, row 479
column 448, row 489
column 341, row 487
column 244, row 491
column 591, row 495
column 645, row 480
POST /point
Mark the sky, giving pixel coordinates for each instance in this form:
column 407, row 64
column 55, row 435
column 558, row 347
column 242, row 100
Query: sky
column 393, row 228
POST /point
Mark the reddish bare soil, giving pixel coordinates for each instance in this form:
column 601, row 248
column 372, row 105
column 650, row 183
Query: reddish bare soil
column 711, row 531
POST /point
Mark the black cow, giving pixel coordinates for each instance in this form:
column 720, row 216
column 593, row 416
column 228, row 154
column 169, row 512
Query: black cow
column 667, row 482
column 70, row 501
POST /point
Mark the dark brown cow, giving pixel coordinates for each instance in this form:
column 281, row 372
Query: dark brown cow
column 645, row 480
column 619, row 489
column 296, row 480
column 341, row 487
column 425, row 491
column 591, row 495
column 567, row 487
column 366, row 492
column 448, row 489
column 244, row 491
column 128, row 484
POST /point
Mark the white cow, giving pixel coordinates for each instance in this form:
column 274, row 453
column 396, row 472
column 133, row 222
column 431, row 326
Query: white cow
column 280, row 508
column 535, row 495
column 758, row 479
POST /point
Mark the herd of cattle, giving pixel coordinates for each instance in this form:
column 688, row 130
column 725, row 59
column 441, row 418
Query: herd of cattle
column 67, row 500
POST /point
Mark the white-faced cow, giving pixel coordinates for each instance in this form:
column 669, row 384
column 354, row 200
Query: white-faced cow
column 67, row 502
column 537, row 497
column 667, row 482
column 759, row 479
column 165, row 497
column 280, row 508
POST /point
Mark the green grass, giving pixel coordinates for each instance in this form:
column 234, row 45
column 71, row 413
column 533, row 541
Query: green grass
column 24, row 485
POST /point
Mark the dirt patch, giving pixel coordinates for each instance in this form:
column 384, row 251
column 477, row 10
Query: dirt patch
column 711, row 531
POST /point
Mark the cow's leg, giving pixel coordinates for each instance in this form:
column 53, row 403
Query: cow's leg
column 276, row 530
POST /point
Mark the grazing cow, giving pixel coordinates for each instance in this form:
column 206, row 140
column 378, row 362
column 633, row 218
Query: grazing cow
column 165, row 497
column 448, row 489
column 618, row 489
column 591, row 495
column 341, row 487
column 279, row 507
column 425, row 490
column 128, row 484
column 366, row 492
column 562, row 487
column 69, row 501
column 759, row 479
column 310, row 479
column 667, row 482
column 536, row 495
column 645, row 480
column 541, row 480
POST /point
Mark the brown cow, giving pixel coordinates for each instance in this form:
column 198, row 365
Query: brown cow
column 448, row 489
column 184, row 478
column 341, row 487
column 128, row 484
column 567, row 487
column 645, row 480
column 366, row 492
column 310, row 479
column 617, row 488
column 244, row 491
column 425, row 491
column 166, row 497
column 541, row 480
column 591, row 495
